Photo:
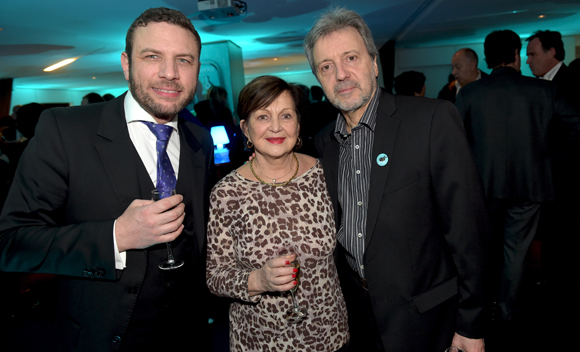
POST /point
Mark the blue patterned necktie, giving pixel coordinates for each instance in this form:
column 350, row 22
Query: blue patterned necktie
column 166, row 179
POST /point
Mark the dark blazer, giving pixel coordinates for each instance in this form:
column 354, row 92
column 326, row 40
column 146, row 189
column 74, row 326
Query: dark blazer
column 509, row 122
column 78, row 174
column 564, row 78
column 427, row 227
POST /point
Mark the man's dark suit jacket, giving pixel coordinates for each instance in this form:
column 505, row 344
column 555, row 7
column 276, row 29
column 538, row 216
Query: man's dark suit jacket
column 78, row 174
column 427, row 227
column 513, row 123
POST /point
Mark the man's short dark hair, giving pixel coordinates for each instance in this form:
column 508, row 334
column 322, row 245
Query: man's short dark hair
column 550, row 39
column 160, row 14
column 500, row 47
column 409, row 83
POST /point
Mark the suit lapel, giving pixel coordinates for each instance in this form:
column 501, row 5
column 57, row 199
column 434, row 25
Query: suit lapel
column 123, row 166
column 384, row 142
column 330, row 162
column 191, row 174
column 122, row 163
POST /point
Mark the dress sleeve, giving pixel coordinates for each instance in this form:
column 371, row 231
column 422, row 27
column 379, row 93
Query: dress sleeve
column 225, row 275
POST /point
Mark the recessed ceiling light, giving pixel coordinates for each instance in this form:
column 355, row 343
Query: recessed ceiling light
column 275, row 59
column 94, row 77
column 59, row 64
column 541, row 16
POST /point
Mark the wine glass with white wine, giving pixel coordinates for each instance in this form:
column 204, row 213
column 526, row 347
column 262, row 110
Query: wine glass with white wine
column 296, row 313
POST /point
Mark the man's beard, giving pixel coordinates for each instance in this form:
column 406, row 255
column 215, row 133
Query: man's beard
column 151, row 106
column 344, row 105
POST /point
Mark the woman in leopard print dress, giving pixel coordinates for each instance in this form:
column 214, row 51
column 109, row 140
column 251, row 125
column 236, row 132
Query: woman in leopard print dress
column 251, row 218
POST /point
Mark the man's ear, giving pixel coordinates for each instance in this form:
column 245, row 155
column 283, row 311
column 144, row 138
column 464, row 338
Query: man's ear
column 125, row 64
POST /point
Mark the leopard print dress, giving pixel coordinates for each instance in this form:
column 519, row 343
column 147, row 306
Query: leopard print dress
column 248, row 222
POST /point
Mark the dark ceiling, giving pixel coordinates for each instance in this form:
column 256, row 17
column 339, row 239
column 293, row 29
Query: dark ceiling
column 37, row 34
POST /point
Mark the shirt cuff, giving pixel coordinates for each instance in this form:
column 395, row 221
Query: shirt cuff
column 120, row 258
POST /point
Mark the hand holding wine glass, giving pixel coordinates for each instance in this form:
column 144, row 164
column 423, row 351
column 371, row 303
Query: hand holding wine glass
column 296, row 313
column 144, row 223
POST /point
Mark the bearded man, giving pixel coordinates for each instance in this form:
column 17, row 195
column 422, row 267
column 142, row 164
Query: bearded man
column 80, row 203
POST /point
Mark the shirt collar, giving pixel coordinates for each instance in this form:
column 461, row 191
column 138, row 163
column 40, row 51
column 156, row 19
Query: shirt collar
column 458, row 85
column 135, row 113
column 369, row 118
column 552, row 73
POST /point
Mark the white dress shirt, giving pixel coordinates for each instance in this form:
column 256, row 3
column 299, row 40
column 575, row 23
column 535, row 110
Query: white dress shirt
column 552, row 73
column 145, row 143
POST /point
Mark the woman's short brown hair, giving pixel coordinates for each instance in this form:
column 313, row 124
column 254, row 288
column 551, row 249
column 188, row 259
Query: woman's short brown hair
column 263, row 90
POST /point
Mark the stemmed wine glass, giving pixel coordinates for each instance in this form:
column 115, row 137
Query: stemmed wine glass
column 296, row 313
column 170, row 263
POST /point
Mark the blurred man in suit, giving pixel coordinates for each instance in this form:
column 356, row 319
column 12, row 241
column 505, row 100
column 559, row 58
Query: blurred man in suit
column 410, row 213
column 80, row 204
column 508, row 119
column 560, row 224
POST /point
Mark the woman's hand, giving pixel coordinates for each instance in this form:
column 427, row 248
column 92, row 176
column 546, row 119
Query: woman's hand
column 275, row 275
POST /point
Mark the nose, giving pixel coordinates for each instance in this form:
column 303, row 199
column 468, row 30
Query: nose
column 341, row 72
column 454, row 72
column 528, row 60
column 168, row 70
column 275, row 124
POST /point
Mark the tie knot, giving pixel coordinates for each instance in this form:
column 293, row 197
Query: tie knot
column 161, row 132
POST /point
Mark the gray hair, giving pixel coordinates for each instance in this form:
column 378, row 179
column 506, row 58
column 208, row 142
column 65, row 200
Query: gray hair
column 333, row 20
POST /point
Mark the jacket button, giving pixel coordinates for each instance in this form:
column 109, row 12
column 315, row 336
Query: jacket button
column 117, row 339
column 132, row 290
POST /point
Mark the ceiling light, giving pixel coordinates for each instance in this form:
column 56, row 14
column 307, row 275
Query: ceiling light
column 275, row 59
column 541, row 16
column 59, row 65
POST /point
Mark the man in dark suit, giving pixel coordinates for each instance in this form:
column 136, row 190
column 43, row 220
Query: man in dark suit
column 411, row 219
column 80, row 204
column 464, row 63
column 560, row 220
column 509, row 119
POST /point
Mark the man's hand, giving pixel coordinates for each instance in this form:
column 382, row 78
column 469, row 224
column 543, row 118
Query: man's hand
column 469, row 345
column 146, row 223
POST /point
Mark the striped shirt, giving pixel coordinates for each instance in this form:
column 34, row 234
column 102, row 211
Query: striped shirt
column 354, row 176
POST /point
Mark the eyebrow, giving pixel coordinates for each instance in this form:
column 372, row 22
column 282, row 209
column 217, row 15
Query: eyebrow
column 343, row 54
column 155, row 51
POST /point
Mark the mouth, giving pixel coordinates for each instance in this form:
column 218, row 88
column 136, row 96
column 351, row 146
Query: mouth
column 346, row 87
column 276, row 140
column 166, row 92
column 346, row 90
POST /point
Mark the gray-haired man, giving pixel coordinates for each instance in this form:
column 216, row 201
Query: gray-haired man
column 411, row 219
